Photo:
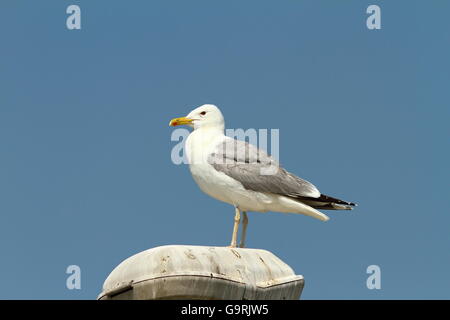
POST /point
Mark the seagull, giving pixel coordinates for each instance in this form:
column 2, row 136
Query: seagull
column 238, row 173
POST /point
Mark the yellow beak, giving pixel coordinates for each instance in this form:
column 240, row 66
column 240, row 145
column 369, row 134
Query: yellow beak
column 180, row 121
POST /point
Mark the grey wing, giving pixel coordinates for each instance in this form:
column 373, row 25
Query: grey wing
column 257, row 171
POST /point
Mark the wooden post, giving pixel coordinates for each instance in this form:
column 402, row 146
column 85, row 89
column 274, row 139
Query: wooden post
column 201, row 272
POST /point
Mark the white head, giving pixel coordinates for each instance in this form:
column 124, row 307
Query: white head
column 207, row 115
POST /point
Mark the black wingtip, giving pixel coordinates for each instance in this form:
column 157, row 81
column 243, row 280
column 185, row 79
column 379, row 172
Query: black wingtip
column 325, row 198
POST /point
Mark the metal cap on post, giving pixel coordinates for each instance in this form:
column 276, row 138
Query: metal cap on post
column 201, row 272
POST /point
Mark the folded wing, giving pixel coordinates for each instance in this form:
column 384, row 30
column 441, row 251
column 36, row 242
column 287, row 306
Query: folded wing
column 258, row 171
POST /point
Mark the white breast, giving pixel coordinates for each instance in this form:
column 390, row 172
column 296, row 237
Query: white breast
column 218, row 185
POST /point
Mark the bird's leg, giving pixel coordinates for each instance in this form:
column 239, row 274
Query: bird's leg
column 237, row 220
column 244, row 230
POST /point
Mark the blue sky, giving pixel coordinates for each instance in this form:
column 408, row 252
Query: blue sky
column 86, row 176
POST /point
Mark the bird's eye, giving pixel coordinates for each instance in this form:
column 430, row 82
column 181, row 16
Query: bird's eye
column 203, row 113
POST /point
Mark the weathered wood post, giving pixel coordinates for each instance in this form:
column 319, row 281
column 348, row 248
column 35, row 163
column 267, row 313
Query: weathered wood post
column 201, row 272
